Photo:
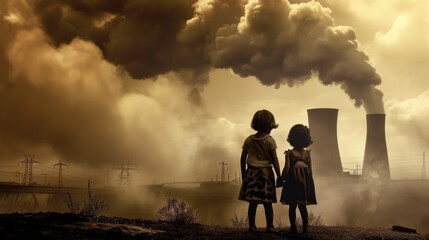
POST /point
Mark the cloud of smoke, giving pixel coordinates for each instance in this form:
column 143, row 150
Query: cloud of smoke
column 281, row 43
column 370, row 203
column 141, row 36
column 67, row 102
column 52, row 101
column 275, row 41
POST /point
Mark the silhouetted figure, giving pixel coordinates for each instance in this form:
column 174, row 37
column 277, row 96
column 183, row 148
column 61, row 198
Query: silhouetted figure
column 259, row 152
column 298, row 185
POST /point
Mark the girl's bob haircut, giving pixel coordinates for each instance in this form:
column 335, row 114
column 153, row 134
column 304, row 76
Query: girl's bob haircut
column 299, row 136
column 263, row 121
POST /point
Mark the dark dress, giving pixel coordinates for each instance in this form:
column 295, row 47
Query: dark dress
column 298, row 187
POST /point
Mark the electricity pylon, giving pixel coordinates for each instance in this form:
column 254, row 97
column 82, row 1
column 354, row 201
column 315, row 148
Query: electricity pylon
column 125, row 175
column 60, row 166
column 28, row 162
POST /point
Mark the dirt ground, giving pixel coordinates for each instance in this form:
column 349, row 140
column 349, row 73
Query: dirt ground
column 67, row 226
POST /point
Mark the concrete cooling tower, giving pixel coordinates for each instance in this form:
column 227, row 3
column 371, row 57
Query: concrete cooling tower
column 376, row 161
column 325, row 153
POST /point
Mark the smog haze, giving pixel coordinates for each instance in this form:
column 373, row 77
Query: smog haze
column 171, row 86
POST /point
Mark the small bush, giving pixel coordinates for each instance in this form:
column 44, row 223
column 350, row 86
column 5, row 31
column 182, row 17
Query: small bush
column 91, row 207
column 240, row 223
column 314, row 220
column 177, row 212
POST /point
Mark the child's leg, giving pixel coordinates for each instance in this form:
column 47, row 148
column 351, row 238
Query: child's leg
column 269, row 214
column 304, row 216
column 252, row 214
column 292, row 216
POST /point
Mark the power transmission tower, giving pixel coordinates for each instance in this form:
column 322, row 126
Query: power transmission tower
column 125, row 175
column 60, row 166
column 424, row 167
column 45, row 174
column 223, row 171
column 28, row 162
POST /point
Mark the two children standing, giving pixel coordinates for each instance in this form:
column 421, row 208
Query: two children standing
column 259, row 186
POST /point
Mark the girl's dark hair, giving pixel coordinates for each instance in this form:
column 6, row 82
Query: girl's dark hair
column 299, row 136
column 263, row 121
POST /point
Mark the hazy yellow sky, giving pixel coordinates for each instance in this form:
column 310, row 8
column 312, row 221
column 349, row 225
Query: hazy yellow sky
column 174, row 85
column 395, row 36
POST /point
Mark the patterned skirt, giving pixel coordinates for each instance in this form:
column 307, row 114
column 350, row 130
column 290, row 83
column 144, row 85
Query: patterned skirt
column 258, row 185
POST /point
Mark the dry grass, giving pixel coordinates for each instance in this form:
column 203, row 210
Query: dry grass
column 92, row 206
column 69, row 226
column 240, row 222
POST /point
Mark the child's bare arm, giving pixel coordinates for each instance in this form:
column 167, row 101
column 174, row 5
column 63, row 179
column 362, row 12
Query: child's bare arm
column 276, row 166
column 275, row 162
column 243, row 159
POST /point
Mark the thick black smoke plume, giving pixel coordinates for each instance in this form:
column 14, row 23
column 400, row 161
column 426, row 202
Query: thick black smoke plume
column 273, row 40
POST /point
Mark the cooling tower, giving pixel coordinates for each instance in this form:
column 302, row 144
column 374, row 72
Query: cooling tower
column 325, row 153
column 375, row 160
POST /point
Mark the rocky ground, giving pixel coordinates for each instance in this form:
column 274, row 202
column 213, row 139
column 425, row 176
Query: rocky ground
column 67, row 226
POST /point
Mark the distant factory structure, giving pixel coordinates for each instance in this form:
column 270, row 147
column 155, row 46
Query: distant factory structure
column 376, row 161
column 325, row 151
column 325, row 154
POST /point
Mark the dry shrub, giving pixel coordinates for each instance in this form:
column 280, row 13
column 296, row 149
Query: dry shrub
column 177, row 212
column 73, row 206
column 240, row 222
column 91, row 206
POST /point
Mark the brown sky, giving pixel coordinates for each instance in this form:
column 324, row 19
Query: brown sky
column 174, row 85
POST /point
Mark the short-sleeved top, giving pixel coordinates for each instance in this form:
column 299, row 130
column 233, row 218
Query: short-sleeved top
column 258, row 150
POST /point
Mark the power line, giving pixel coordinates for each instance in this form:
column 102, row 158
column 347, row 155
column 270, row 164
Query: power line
column 46, row 169
column 73, row 173
column 16, row 173
column 9, row 166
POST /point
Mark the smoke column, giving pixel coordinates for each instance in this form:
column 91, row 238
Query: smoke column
column 275, row 41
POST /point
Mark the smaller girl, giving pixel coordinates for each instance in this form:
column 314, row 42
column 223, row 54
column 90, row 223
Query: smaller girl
column 298, row 185
column 259, row 154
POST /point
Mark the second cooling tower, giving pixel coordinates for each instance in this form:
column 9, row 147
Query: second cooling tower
column 325, row 153
column 376, row 161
